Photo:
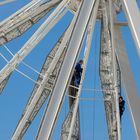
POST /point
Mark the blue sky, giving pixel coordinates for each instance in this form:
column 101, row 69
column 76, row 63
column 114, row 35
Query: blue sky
column 18, row 89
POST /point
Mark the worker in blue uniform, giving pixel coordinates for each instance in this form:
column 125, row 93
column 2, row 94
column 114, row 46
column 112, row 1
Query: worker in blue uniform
column 78, row 73
column 121, row 106
column 75, row 81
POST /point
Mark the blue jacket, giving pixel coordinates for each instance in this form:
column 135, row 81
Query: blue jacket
column 78, row 71
column 122, row 106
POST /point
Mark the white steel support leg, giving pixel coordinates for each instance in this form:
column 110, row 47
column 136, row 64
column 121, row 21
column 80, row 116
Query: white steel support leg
column 133, row 99
column 107, row 73
column 66, row 126
column 39, row 91
column 85, row 59
column 56, row 99
column 34, row 40
column 114, row 61
column 133, row 15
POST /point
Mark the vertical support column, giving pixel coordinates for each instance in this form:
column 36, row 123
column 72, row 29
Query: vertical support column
column 108, row 72
column 114, row 62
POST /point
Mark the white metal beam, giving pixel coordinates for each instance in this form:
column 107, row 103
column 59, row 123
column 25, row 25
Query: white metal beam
column 107, row 73
column 56, row 99
column 112, row 15
column 133, row 98
column 67, row 122
column 19, row 22
column 34, row 40
column 133, row 15
column 90, row 31
column 30, row 110
column 25, row 8
column 6, row 2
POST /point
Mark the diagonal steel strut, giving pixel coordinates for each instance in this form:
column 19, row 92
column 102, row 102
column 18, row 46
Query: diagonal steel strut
column 132, row 12
column 41, row 92
column 56, row 99
column 34, row 40
column 131, row 92
column 19, row 22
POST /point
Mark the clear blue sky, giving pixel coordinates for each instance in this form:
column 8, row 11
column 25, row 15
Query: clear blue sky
column 18, row 89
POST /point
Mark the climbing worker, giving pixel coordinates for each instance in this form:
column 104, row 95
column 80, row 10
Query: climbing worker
column 78, row 73
column 121, row 106
column 75, row 81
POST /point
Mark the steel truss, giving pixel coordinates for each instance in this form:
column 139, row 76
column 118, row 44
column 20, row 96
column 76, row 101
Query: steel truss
column 107, row 75
column 65, row 54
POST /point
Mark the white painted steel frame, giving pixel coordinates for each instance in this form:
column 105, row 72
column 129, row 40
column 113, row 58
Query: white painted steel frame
column 66, row 40
column 66, row 124
column 131, row 92
column 34, row 40
column 90, row 31
column 33, row 102
column 64, row 76
column 22, row 10
column 106, row 72
column 19, row 22
column 112, row 15
column 132, row 12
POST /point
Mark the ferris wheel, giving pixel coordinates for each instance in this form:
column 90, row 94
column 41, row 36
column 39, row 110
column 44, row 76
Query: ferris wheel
column 54, row 81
